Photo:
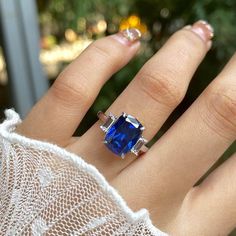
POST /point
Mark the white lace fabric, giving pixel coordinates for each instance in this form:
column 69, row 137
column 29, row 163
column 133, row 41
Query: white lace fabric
column 45, row 190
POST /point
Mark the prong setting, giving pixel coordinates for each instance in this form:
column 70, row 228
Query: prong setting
column 123, row 156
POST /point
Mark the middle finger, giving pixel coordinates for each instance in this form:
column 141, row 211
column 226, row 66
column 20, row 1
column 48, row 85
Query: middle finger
column 188, row 149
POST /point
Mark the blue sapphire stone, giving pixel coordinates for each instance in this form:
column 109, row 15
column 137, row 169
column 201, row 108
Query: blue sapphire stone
column 123, row 135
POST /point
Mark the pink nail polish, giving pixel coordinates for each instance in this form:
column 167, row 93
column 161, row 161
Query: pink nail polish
column 128, row 36
column 204, row 30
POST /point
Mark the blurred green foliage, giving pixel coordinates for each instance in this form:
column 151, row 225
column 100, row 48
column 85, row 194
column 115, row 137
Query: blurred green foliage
column 162, row 17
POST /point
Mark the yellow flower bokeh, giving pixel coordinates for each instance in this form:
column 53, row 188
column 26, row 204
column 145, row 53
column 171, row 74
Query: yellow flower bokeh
column 133, row 21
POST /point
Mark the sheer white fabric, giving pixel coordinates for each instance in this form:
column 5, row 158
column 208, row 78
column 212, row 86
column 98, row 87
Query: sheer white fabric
column 45, row 190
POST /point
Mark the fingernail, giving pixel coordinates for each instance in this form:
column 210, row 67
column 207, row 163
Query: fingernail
column 128, row 36
column 204, row 30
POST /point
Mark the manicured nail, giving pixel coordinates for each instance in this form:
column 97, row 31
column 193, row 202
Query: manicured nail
column 132, row 34
column 204, row 30
column 128, row 36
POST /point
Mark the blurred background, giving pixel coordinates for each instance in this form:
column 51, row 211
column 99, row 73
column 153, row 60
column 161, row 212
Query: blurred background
column 39, row 38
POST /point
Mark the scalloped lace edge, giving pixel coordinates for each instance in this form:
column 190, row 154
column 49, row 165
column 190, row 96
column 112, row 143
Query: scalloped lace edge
column 7, row 132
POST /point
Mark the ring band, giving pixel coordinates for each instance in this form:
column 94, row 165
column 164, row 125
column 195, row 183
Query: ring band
column 123, row 134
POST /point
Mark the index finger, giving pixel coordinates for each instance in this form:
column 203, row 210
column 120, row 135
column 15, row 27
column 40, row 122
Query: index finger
column 56, row 116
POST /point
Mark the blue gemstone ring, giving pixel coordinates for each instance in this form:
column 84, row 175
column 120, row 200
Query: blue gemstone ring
column 123, row 134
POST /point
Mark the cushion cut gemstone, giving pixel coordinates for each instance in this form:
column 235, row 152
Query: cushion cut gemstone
column 123, row 134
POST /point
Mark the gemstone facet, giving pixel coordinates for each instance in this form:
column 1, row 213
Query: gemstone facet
column 123, row 134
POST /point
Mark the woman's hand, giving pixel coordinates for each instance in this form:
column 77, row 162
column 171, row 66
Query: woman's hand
column 162, row 180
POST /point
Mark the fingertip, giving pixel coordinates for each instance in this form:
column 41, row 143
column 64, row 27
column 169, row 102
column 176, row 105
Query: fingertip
column 203, row 30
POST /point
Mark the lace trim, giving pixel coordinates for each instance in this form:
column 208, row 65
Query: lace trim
column 7, row 132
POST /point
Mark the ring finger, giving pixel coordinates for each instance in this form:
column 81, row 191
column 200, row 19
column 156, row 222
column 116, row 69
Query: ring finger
column 153, row 94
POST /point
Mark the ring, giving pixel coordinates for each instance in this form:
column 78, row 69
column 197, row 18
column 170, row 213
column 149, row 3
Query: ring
column 123, row 134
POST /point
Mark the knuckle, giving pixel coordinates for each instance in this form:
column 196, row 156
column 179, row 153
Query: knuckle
column 69, row 94
column 221, row 104
column 161, row 88
column 190, row 38
column 106, row 52
column 190, row 44
column 100, row 51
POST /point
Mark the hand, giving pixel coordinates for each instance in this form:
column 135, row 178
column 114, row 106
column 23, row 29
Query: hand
column 162, row 180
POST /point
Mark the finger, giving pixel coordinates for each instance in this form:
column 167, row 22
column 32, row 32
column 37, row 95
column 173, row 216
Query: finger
column 155, row 91
column 196, row 140
column 56, row 116
column 211, row 204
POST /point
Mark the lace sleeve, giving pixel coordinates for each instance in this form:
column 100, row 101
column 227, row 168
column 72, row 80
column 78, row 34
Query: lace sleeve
column 45, row 190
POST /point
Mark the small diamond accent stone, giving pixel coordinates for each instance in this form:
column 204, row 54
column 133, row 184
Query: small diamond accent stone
column 137, row 147
column 109, row 122
column 123, row 135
